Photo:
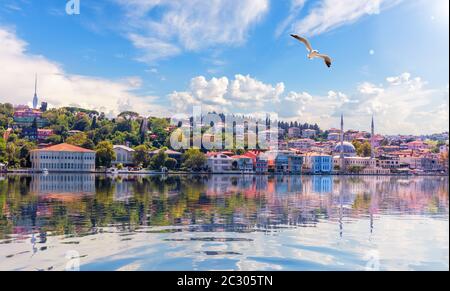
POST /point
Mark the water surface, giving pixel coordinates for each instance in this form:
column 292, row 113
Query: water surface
column 58, row 222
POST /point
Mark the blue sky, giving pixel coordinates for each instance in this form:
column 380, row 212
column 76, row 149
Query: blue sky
column 159, row 57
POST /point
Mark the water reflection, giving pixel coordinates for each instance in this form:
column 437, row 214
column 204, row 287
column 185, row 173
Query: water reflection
column 220, row 216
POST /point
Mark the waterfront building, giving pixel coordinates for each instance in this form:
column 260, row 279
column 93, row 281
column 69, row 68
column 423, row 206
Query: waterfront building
column 219, row 163
column 243, row 164
column 63, row 158
column 124, row 155
column 431, row 163
column 360, row 165
column 284, row 162
column 388, row 162
column 315, row 163
column 262, row 164
column 295, row 164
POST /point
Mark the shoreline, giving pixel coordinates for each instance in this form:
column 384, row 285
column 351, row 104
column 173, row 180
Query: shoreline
column 149, row 173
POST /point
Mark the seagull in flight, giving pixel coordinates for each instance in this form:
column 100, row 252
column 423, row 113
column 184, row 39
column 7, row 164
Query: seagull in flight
column 313, row 53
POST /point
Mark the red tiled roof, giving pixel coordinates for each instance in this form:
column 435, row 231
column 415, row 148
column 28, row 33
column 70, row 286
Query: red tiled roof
column 64, row 147
column 240, row 157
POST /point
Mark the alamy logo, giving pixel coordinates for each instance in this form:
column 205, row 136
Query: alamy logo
column 223, row 132
column 73, row 7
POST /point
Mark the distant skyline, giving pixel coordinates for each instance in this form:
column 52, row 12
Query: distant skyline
column 160, row 57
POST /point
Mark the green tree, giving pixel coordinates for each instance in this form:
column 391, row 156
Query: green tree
column 158, row 161
column 362, row 149
column 54, row 139
column 124, row 126
column 194, row 159
column 105, row 154
column 94, row 123
column 88, row 144
column 6, row 115
column 141, row 156
column 77, row 139
column 12, row 154
column 82, row 124
column 171, row 164
column 2, row 150
column 366, row 149
column 24, row 153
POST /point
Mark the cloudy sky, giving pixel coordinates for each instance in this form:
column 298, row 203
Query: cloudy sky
column 161, row 57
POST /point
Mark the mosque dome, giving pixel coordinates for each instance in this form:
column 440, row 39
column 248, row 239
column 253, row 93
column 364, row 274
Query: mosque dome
column 349, row 149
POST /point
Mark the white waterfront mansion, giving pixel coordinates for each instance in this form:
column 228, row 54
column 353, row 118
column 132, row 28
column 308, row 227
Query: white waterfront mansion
column 124, row 155
column 63, row 158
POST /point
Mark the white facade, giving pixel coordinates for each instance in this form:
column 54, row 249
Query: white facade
column 318, row 163
column 220, row 163
column 124, row 155
column 63, row 158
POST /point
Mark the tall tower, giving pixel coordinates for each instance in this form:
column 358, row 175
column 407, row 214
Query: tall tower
column 35, row 98
column 372, row 139
column 342, row 144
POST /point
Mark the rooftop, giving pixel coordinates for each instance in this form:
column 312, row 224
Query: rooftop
column 64, row 147
column 128, row 149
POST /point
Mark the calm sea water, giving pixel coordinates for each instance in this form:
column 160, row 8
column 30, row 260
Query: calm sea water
column 58, row 222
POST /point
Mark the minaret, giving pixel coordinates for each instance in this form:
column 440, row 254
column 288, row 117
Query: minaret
column 342, row 143
column 35, row 98
column 372, row 138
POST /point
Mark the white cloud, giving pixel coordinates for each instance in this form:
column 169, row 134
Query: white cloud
column 60, row 88
column 224, row 95
column 189, row 25
column 369, row 88
column 330, row 14
column 405, row 79
column 402, row 105
column 296, row 8
column 153, row 48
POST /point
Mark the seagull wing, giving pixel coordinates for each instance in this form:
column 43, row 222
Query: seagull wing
column 304, row 41
column 326, row 58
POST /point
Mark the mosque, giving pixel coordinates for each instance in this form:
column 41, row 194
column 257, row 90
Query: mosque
column 345, row 156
